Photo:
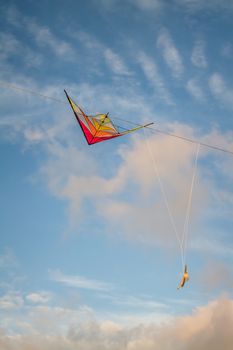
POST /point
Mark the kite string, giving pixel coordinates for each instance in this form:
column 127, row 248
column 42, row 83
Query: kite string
column 156, row 170
column 189, row 205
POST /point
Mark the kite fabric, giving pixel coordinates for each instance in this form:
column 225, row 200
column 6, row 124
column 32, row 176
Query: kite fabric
column 99, row 127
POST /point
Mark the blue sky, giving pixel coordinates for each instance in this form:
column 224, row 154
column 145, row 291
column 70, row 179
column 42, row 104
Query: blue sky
column 88, row 255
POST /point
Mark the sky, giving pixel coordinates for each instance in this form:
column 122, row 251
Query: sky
column 90, row 236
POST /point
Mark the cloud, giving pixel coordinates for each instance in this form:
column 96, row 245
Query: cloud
column 98, row 51
column 12, row 47
column 46, row 39
column 11, row 300
column 42, row 35
column 220, row 90
column 170, row 53
column 79, row 281
column 215, row 276
column 131, row 197
column 39, row 297
column 199, row 5
column 198, row 57
column 147, row 5
column 115, row 62
column 8, row 259
column 143, row 5
column 195, row 90
column 136, row 302
column 207, row 327
column 151, row 72
column 227, row 50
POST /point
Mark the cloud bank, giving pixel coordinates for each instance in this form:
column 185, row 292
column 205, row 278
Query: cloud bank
column 207, row 328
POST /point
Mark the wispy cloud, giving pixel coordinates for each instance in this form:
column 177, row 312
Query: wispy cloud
column 151, row 72
column 195, row 90
column 136, row 302
column 220, row 90
column 40, row 297
column 8, row 259
column 198, row 56
column 79, row 281
column 147, row 5
column 12, row 47
column 170, row 53
column 113, row 60
column 11, row 300
column 144, row 5
column 46, row 39
column 227, row 50
column 198, row 5
column 42, row 35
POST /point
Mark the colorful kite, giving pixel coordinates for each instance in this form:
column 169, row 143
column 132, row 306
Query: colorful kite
column 99, row 127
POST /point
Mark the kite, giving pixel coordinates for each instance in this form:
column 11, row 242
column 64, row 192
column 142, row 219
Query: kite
column 99, row 127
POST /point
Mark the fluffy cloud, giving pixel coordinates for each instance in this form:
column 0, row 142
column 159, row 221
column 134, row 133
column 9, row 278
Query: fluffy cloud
column 208, row 327
column 132, row 198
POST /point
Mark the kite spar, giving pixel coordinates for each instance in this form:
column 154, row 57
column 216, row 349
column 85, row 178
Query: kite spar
column 99, row 127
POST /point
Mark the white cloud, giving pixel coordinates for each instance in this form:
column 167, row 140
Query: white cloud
column 115, row 62
column 220, row 90
column 136, row 302
column 145, row 218
column 8, row 259
column 39, row 297
column 227, row 50
column 198, row 57
column 43, row 36
column 11, row 300
column 170, row 53
column 147, row 5
column 195, row 90
column 199, row 5
column 207, row 328
column 79, row 281
column 151, row 72
column 12, row 47
column 144, row 5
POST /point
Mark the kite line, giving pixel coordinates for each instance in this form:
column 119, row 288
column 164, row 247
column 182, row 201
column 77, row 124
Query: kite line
column 182, row 241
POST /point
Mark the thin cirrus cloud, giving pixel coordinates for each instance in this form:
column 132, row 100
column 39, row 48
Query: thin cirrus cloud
column 12, row 47
column 43, row 36
column 170, row 53
column 195, row 90
column 11, row 301
column 39, row 297
column 198, row 56
column 147, row 5
column 113, row 60
column 77, row 281
column 151, row 71
column 220, row 90
column 199, row 5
